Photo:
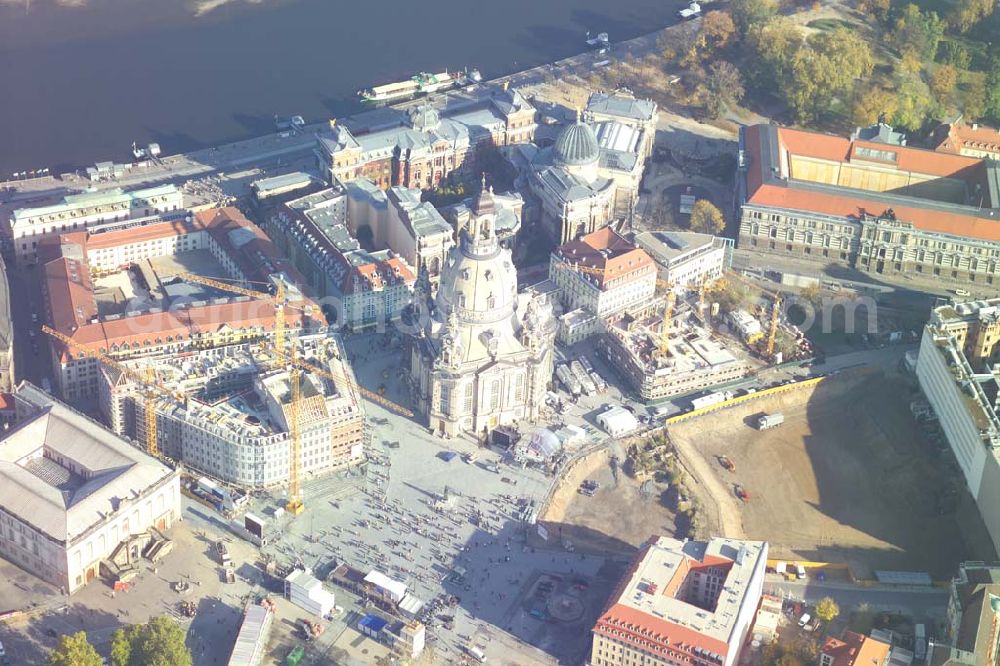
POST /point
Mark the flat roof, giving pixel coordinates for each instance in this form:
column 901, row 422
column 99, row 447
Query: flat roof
column 654, row 604
column 379, row 579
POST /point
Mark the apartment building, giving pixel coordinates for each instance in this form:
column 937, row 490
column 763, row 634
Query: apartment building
column 958, row 373
column 682, row 602
column 77, row 212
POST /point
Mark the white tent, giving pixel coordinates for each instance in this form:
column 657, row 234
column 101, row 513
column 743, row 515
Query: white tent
column 617, row 421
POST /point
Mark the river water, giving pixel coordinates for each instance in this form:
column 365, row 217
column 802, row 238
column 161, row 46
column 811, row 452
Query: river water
column 81, row 79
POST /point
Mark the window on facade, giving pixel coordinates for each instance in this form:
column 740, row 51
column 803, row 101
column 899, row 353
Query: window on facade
column 495, row 395
column 469, row 395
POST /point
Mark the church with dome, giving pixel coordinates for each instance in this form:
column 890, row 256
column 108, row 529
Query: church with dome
column 592, row 173
column 483, row 354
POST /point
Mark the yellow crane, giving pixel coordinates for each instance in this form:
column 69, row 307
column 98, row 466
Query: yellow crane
column 668, row 312
column 280, row 335
column 148, row 380
column 772, row 332
column 295, row 504
column 279, row 300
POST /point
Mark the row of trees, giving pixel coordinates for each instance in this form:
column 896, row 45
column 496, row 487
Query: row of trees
column 159, row 642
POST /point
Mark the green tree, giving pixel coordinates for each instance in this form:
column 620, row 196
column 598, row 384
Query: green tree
column 825, row 68
column 942, row 83
column 706, row 218
column 877, row 8
column 870, row 103
column 121, row 645
column 827, row 609
column 954, row 54
column 966, row 13
column 160, row 642
column 974, row 100
column 913, row 103
column 723, row 88
column 774, row 46
column 993, row 89
column 917, row 33
column 749, row 13
column 74, row 650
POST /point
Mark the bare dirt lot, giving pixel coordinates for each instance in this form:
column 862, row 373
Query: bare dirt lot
column 846, row 478
column 617, row 519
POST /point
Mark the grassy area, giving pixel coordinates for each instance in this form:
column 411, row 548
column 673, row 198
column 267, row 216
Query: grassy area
column 830, row 24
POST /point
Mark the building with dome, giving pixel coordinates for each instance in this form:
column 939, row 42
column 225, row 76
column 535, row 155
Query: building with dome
column 592, row 173
column 482, row 356
column 420, row 146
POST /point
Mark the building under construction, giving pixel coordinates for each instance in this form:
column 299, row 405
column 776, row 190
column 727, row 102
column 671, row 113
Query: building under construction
column 689, row 360
column 231, row 412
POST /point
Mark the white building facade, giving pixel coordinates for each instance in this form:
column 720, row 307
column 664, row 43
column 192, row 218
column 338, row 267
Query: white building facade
column 30, row 226
column 72, row 491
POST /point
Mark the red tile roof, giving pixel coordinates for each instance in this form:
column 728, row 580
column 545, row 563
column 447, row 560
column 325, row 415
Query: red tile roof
column 651, row 633
column 855, row 650
column 764, row 190
column 952, row 138
column 377, row 275
column 131, row 235
column 842, row 149
column 71, row 302
column 609, row 254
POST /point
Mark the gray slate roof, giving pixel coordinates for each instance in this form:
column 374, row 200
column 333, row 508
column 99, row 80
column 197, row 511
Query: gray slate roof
column 109, row 470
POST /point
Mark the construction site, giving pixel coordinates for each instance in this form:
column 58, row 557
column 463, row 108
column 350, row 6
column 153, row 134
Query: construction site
column 231, row 410
column 863, row 490
column 663, row 350
column 192, row 338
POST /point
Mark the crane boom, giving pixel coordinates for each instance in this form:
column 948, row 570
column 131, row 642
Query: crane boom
column 147, row 380
column 280, row 336
column 295, row 505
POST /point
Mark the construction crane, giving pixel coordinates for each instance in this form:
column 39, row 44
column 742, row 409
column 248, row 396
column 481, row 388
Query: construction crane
column 295, row 505
column 772, row 332
column 147, row 380
column 279, row 300
column 280, row 335
column 668, row 312
column 305, row 365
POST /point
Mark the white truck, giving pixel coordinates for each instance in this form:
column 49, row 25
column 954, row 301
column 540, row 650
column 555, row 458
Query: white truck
column 711, row 399
column 693, row 10
column 768, row 421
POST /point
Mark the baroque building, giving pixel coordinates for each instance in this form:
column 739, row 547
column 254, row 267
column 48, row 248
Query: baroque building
column 482, row 356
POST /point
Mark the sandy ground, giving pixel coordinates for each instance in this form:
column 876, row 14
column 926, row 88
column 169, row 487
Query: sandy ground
column 847, row 478
column 616, row 520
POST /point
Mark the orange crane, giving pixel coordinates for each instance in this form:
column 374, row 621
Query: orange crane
column 148, row 380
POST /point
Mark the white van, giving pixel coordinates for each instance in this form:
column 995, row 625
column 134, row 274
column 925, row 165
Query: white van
column 800, row 571
column 804, row 620
column 477, row 654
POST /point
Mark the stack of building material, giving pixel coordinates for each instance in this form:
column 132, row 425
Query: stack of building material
column 251, row 642
column 308, row 593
